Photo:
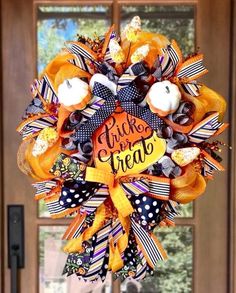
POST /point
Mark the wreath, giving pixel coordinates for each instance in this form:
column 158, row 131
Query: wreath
column 116, row 135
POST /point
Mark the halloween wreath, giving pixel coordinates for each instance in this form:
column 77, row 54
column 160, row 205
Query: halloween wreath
column 116, row 135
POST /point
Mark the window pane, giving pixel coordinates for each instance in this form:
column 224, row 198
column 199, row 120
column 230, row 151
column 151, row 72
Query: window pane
column 174, row 275
column 186, row 210
column 57, row 24
column 175, row 22
column 51, row 264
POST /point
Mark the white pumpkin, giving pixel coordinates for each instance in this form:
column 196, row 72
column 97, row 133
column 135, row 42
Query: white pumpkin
column 104, row 80
column 74, row 94
column 163, row 98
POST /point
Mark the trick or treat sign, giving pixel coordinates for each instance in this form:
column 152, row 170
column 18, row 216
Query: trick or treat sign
column 125, row 145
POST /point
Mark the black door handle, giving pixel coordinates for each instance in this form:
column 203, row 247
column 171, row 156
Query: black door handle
column 15, row 215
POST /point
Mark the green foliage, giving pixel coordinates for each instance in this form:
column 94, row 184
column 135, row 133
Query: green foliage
column 49, row 44
column 186, row 210
column 175, row 274
column 53, row 32
column 174, row 21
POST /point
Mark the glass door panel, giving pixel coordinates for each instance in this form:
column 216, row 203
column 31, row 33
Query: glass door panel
column 51, row 263
column 174, row 21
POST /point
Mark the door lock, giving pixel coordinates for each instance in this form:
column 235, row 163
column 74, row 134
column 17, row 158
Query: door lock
column 15, row 216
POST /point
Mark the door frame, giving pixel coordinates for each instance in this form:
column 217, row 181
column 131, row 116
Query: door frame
column 232, row 155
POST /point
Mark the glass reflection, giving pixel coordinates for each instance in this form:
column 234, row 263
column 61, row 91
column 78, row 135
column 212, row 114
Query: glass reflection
column 57, row 24
column 51, row 264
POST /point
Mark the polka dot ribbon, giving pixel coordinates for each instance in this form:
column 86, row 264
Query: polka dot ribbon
column 126, row 96
column 75, row 192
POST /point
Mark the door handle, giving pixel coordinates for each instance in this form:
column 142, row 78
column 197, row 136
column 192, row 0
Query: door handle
column 15, row 216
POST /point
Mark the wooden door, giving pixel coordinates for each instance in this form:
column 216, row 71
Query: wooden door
column 209, row 223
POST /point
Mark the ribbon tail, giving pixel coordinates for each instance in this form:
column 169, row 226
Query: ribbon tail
column 193, row 68
column 206, row 128
column 99, row 250
column 141, row 268
column 121, row 244
column 149, row 245
column 75, row 228
column 84, row 55
column 74, row 245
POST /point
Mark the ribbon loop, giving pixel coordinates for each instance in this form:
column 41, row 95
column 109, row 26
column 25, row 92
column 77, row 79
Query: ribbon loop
column 117, row 194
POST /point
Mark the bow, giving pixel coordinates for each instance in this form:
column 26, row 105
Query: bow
column 126, row 96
